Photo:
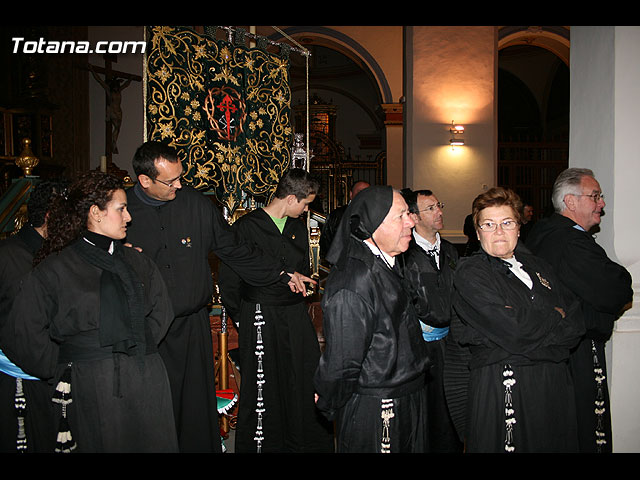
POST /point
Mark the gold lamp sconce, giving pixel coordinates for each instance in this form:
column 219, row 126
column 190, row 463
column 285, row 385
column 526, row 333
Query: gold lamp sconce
column 456, row 135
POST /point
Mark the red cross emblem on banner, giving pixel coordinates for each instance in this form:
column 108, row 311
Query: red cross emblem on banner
column 228, row 108
column 225, row 111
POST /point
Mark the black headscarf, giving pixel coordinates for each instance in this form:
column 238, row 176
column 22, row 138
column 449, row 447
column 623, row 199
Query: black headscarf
column 364, row 215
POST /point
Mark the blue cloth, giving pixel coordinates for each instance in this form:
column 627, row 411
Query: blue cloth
column 11, row 369
column 431, row 334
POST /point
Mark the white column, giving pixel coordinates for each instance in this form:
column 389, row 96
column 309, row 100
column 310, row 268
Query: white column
column 605, row 104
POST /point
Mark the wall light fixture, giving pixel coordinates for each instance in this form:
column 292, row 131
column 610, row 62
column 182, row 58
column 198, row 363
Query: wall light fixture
column 456, row 132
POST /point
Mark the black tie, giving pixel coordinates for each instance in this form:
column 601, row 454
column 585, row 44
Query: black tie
column 433, row 253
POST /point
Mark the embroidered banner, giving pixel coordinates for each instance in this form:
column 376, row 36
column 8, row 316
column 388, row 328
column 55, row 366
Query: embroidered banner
column 224, row 107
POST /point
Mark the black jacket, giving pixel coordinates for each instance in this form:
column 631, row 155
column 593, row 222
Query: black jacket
column 60, row 303
column 431, row 287
column 179, row 235
column 291, row 247
column 16, row 260
column 373, row 338
column 499, row 319
column 602, row 285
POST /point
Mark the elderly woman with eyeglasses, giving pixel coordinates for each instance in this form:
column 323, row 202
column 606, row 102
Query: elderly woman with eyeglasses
column 508, row 384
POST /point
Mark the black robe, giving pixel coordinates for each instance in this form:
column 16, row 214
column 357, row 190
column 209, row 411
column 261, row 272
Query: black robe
column 121, row 401
column 604, row 288
column 285, row 419
column 515, row 333
column 372, row 372
column 16, row 260
column 433, row 290
column 179, row 235
column 330, row 228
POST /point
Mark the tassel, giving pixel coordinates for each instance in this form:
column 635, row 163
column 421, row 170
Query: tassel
column 21, row 407
column 510, row 418
column 64, row 441
column 600, row 409
column 62, row 395
column 260, row 381
column 386, row 414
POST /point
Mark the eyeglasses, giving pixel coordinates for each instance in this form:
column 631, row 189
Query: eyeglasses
column 492, row 226
column 596, row 197
column 170, row 182
column 431, row 208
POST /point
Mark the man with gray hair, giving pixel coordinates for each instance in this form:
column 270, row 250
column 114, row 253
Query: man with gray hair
column 602, row 285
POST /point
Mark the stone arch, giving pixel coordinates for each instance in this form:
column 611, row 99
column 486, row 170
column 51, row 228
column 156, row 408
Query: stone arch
column 327, row 37
column 554, row 39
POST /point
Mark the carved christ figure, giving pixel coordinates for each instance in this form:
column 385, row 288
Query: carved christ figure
column 113, row 89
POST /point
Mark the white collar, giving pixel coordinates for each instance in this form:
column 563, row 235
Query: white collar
column 111, row 245
column 391, row 261
column 426, row 244
column 518, row 271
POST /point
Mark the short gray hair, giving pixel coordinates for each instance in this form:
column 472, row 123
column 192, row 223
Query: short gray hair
column 568, row 182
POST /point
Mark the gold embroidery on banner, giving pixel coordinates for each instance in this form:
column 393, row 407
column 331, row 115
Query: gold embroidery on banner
column 225, row 108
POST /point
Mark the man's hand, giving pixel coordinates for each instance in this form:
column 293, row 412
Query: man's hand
column 297, row 282
column 131, row 246
column 560, row 311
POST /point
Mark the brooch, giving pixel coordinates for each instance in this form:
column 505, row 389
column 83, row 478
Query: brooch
column 543, row 281
column 186, row 242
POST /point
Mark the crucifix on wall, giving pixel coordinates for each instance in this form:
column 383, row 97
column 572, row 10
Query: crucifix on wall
column 113, row 83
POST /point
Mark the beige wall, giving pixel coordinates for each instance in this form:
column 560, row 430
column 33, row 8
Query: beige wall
column 451, row 75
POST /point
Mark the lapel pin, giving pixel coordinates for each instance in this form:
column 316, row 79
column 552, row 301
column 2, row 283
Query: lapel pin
column 543, row 281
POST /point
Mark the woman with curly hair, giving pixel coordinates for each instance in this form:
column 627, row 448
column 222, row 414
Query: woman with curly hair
column 516, row 325
column 89, row 318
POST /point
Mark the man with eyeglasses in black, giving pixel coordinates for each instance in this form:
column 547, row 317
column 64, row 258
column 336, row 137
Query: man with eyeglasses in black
column 603, row 286
column 178, row 227
column 429, row 265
